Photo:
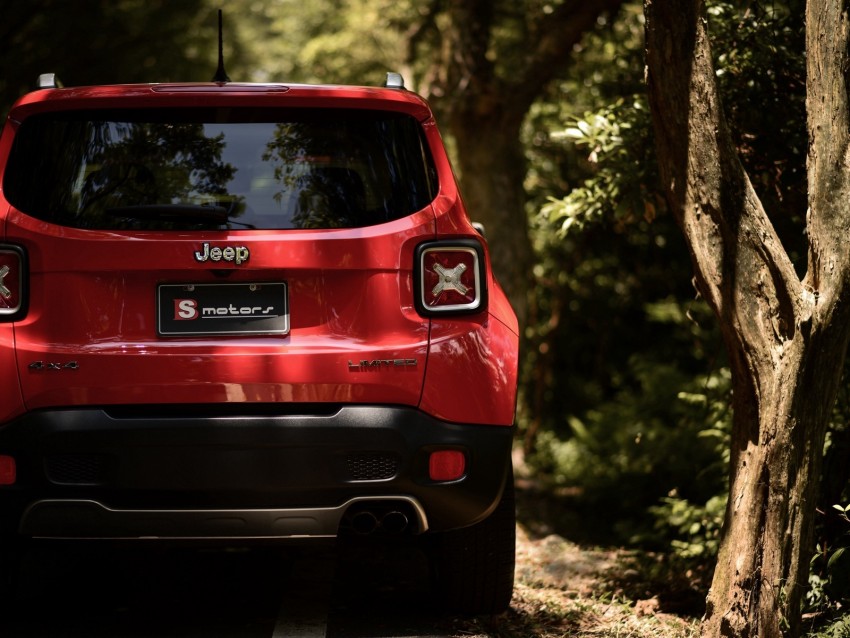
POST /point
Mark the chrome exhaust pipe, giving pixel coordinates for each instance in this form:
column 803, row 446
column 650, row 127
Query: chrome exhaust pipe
column 394, row 522
column 364, row 522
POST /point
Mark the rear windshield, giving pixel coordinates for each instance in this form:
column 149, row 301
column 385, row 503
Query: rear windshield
column 219, row 168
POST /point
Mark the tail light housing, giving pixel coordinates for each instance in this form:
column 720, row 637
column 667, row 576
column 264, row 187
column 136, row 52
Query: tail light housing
column 446, row 465
column 450, row 277
column 8, row 471
column 13, row 279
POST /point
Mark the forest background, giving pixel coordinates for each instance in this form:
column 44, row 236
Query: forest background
column 624, row 413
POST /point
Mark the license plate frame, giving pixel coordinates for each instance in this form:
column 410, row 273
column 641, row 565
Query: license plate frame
column 222, row 309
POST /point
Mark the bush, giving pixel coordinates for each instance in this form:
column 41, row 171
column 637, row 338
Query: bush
column 644, row 445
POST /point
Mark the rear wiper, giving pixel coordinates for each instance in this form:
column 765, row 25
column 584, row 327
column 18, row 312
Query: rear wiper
column 173, row 212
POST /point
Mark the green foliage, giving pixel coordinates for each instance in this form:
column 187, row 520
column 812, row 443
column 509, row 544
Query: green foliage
column 352, row 41
column 607, row 68
column 761, row 77
column 838, row 628
column 619, row 151
column 625, row 387
column 592, row 260
column 594, row 280
column 694, row 529
column 657, row 437
column 829, row 576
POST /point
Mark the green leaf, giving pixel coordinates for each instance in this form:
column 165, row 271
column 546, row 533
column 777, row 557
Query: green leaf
column 835, row 556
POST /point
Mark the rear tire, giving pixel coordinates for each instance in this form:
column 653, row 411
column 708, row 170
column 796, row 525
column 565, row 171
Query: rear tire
column 11, row 551
column 473, row 567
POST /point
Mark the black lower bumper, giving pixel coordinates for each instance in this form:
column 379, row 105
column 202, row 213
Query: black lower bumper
column 237, row 472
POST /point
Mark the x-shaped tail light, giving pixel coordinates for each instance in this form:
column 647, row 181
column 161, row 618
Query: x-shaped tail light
column 12, row 283
column 450, row 277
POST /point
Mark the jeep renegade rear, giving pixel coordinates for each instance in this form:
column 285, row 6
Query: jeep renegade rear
column 248, row 312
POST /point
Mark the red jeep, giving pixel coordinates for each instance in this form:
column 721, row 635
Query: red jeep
column 244, row 312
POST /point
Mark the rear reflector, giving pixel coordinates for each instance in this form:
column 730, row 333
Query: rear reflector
column 446, row 465
column 12, row 282
column 8, row 471
column 450, row 277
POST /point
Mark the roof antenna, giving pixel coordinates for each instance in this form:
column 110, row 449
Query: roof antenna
column 220, row 73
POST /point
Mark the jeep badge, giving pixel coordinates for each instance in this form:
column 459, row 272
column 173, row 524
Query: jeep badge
column 236, row 254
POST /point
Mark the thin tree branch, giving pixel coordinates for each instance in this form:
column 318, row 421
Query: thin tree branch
column 556, row 36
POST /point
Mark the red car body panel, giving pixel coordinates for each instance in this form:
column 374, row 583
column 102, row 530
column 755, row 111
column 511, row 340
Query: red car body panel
column 11, row 400
column 468, row 357
column 344, row 286
column 102, row 285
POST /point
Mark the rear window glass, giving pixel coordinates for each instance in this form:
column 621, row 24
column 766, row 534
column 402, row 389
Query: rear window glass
column 219, row 168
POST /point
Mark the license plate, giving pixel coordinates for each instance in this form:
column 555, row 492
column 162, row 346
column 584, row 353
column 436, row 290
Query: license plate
column 222, row 309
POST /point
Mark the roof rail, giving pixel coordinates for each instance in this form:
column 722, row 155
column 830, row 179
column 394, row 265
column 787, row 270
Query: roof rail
column 394, row 81
column 48, row 81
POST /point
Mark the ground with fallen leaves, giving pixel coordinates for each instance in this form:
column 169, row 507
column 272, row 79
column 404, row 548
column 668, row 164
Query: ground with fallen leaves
column 567, row 589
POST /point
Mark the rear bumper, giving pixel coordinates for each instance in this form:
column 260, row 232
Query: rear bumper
column 240, row 471
column 64, row 519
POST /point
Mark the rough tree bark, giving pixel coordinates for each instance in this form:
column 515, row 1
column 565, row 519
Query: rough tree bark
column 786, row 338
column 482, row 87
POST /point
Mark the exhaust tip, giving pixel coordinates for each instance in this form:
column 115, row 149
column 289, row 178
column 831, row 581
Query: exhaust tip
column 394, row 522
column 364, row 522
column 383, row 517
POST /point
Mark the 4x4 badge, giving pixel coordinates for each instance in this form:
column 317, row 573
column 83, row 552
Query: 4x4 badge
column 236, row 254
column 52, row 365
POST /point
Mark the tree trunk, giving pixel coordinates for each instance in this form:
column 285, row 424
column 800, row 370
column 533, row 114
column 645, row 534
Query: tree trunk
column 492, row 170
column 786, row 339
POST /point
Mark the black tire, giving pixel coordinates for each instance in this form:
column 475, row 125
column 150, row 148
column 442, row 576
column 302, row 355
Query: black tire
column 10, row 566
column 473, row 567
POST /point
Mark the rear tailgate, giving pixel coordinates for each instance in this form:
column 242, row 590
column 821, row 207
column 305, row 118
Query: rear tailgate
column 92, row 335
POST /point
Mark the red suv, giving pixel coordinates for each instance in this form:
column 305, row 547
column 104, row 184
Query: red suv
column 244, row 312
